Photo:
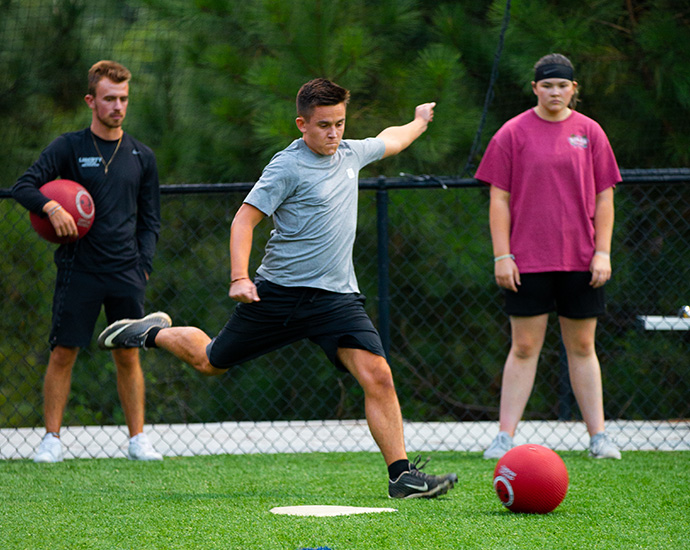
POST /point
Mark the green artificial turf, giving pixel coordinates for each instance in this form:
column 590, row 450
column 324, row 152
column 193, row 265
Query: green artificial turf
column 224, row 502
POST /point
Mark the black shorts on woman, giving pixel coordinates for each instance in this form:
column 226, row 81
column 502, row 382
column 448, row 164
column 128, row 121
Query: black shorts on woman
column 285, row 315
column 568, row 293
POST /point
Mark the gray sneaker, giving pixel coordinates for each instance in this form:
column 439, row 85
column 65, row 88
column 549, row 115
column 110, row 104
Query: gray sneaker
column 501, row 444
column 50, row 450
column 602, row 446
column 131, row 333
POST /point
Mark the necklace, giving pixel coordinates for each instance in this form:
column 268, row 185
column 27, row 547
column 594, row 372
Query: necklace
column 106, row 164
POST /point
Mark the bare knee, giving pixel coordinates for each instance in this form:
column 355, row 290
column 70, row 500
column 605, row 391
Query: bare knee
column 580, row 347
column 578, row 336
column 382, row 375
column 189, row 344
column 525, row 348
column 126, row 359
column 527, row 336
column 376, row 377
column 198, row 359
column 207, row 369
column 63, row 357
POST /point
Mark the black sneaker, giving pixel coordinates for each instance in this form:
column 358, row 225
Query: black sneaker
column 131, row 333
column 417, row 484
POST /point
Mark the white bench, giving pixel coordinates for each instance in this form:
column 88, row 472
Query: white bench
column 661, row 322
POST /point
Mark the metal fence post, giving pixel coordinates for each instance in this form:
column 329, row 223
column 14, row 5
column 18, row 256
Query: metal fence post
column 382, row 260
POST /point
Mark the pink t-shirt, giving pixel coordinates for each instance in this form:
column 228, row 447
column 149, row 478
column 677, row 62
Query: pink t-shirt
column 553, row 172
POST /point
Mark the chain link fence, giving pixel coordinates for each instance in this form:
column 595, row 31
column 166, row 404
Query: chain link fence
column 423, row 258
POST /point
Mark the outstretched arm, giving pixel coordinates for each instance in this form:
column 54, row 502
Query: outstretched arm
column 242, row 288
column 398, row 138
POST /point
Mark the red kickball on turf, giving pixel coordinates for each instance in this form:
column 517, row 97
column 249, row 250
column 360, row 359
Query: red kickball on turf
column 531, row 479
column 75, row 199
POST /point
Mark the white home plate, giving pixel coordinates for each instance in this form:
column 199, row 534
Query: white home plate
column 323, row 511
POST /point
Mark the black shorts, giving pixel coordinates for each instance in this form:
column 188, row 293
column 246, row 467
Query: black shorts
column 79, row 297
column 566, row 292
column 288, row 314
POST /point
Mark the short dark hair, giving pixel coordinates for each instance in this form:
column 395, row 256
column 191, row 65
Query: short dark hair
column 559, row 59
column 107, row 69
column 319, row 92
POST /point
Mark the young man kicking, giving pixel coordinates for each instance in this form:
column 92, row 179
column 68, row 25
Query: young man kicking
column 306, row 285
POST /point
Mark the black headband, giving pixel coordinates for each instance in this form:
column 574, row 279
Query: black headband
column 553, row 70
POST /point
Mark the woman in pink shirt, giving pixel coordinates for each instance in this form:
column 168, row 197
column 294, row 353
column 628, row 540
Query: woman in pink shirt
column 552, row 172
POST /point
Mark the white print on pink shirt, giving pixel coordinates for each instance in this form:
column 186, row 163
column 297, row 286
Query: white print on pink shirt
column 578, row 141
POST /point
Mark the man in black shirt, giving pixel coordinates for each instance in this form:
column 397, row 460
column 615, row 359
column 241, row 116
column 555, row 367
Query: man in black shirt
column 110, row 265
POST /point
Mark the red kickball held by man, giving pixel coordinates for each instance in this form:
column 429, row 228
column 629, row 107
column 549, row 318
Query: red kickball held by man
column 75, row 199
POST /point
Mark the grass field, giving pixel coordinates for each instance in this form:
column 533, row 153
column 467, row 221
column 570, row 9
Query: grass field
column 223, row 502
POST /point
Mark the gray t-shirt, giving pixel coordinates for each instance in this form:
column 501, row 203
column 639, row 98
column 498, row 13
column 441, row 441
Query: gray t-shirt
column 313, row 201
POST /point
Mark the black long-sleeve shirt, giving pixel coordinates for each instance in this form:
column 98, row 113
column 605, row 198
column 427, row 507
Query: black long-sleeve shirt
column 126, row 199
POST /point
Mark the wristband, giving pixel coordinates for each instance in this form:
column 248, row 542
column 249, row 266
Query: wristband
column 602, row 253
column 233, row 281
column 504, row 257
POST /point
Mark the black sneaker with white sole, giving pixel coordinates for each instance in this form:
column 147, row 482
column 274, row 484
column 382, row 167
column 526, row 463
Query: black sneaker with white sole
column 131, row 333
column 417, row 484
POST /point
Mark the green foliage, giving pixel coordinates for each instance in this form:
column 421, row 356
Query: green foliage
column 214, row 81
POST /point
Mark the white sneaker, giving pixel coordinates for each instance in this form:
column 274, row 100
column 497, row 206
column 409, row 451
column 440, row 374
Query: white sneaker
column 602, row 446
column 50, row 449
column 140, row 448
column 501, row 444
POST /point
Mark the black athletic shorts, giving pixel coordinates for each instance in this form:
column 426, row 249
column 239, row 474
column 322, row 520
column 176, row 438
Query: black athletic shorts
column 79, row 297
column 568, row 293
column 288, row 314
